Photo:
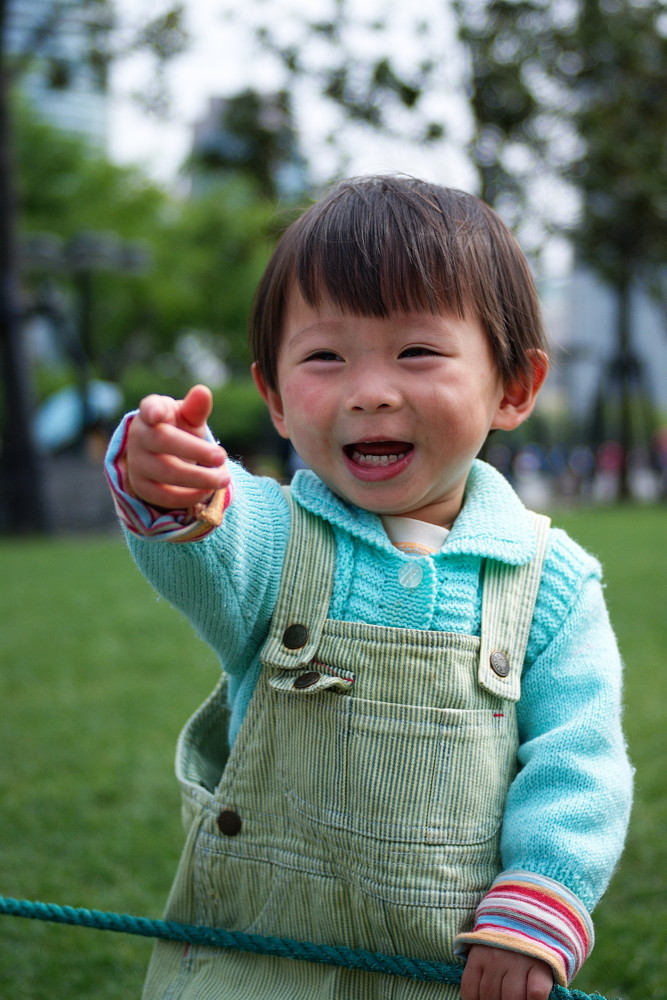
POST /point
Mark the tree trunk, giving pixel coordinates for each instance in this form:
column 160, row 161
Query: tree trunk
column 23, row 507
column 626, row 364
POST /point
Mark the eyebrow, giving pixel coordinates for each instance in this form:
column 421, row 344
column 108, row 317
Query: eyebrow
column 321, row 326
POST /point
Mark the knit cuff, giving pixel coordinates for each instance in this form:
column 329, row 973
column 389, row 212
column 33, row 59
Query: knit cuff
column 536, row 916
column 140, row 518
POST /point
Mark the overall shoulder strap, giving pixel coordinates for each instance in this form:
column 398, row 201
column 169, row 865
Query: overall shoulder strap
column 508, row 602
column 305, row 590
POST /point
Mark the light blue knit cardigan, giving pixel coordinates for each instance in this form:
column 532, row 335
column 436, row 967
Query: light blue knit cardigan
column 567, row 810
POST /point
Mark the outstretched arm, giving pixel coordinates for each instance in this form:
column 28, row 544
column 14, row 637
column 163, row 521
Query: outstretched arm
column 170, row 463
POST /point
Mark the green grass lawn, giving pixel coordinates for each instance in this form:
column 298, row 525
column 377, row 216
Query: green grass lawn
column 97, row 677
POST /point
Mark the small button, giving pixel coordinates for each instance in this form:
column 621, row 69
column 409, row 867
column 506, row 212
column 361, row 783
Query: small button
column 410, row 575
column 306, row 680
column 499, row 663
column 229, row 822
column 295, row 636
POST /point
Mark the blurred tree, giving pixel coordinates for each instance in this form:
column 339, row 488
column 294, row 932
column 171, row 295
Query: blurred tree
column 614, row 66
column 65, row 186
column 580, row 89
column 207, row 253
column 513, row 127
column 208, row 259
column 251, row 134
column 163, row 36
column 374, row 68
column 89, row 224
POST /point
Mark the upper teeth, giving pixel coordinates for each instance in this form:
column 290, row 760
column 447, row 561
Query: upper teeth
column 363, row 459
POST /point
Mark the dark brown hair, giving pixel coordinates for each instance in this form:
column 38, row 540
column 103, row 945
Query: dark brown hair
column 377, row 245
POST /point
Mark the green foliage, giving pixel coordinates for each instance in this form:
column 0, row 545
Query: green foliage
column 616, row 71
column 240, row 419
column 252, row 136
column 44, row 46
column 65, row 186
column 347, row 55
column 96, row 679
column 110, row 34
column 579, row 89
column 502, row 40
column 209, row 257
column 140, row 380
column 206, row 255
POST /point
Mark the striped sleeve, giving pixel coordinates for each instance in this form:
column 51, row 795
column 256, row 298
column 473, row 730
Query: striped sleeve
column 140, row 518
column 536, row 916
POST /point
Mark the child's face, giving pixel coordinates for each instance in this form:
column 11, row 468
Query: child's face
column 390, row 413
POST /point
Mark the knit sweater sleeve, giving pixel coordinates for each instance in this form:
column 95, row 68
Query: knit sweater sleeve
column 224, row 580
column 568, row 807
column 227, row 583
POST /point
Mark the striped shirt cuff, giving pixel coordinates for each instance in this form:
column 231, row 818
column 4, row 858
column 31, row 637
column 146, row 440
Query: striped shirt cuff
column 140, row 518
column 536, row 916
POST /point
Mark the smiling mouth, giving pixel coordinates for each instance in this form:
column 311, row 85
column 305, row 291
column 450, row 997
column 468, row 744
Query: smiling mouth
column 376, row 454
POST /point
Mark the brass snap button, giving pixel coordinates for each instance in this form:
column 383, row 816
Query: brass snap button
column 306, row 680
column 295, row 636
column 229, row 822
column 499, row 663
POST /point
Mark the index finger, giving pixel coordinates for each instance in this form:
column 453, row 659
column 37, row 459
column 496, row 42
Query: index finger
column 166, row 439
column 156, row 409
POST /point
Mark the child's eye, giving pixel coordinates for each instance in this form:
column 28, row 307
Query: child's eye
column 418, row 352
column 324, row 356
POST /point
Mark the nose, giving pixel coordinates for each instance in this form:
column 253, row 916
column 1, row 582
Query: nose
column 370, row 389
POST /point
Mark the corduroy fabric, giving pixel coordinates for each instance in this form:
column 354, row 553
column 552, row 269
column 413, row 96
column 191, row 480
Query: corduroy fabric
column 361, row 825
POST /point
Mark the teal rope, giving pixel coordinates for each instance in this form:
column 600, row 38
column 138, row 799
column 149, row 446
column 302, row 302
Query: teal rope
column 392, row 965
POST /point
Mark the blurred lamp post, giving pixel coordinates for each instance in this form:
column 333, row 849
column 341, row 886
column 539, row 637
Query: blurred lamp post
column 89, row 253
column 79, row 259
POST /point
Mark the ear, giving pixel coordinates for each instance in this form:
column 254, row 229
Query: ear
column 520, row 393
column 273, row 400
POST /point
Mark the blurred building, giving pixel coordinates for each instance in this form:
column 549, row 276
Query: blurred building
column 593, row 390
column 588, row 342
column 251, row 134
column 65, row 78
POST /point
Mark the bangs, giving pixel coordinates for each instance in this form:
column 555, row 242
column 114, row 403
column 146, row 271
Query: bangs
column 377, row 246
column 376, row 250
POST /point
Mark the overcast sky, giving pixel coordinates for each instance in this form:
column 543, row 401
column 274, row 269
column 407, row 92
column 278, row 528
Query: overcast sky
column 221, row 60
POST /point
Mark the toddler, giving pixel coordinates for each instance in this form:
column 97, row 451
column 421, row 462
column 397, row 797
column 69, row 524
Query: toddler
column 417, row 747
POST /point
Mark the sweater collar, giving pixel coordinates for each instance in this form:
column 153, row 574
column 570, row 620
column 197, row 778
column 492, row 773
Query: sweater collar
column 492, row 524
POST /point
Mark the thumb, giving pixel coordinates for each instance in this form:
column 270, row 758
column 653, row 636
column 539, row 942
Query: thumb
column 196, row 407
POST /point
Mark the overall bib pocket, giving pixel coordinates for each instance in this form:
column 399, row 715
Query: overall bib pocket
column 395, row 772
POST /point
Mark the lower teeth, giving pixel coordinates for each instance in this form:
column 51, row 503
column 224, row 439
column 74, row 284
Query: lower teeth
column 374, row 459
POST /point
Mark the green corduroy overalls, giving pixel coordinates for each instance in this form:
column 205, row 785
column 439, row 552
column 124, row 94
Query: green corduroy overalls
column 362, row 801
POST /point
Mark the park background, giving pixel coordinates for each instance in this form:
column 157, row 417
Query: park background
column 149, row 155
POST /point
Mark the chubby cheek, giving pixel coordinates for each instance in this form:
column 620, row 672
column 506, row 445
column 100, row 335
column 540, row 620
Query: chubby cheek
column 307, row 415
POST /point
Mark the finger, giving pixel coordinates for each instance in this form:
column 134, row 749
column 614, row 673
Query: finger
column 167, row 470
column 159, row 493
column 169, row 440
column 155, row 409
column 196, row 408
column 513, row 985
column 539, row 982
column 171, row 497
column 470, row 981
